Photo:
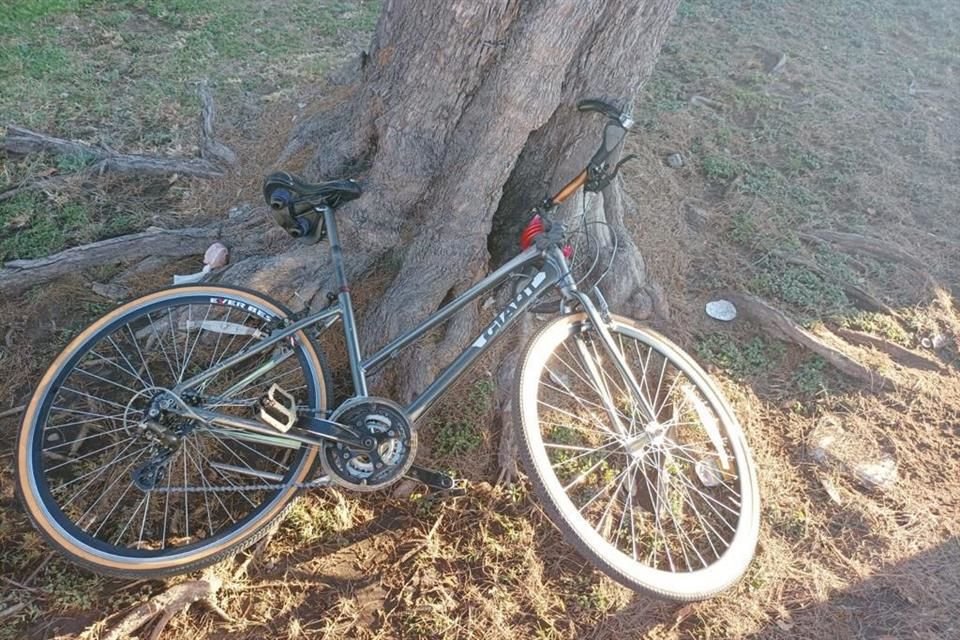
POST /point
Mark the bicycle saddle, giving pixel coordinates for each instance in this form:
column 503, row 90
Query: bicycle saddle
column 283, row 189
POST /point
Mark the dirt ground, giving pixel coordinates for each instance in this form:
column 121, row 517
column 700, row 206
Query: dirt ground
column 792, row 120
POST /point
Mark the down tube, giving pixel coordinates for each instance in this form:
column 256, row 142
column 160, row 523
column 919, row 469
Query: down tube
column 540, row 282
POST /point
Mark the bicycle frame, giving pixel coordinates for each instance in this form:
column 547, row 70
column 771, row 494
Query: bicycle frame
column 554, row 271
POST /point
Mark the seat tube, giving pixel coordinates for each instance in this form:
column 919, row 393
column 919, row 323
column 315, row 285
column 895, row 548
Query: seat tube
column 346, row 305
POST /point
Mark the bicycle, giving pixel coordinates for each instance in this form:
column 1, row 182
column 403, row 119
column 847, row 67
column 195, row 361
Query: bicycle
column 175, row 429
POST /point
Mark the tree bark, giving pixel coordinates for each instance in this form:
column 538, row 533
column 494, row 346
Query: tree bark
column 460, row 119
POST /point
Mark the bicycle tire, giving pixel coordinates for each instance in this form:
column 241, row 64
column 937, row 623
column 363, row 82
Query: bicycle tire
column 118, row 353
column 667, row 479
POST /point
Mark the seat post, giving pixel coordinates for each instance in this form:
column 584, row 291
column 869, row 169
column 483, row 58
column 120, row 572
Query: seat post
column 346, row 305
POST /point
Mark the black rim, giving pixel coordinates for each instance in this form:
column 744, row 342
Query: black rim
column 40, row 473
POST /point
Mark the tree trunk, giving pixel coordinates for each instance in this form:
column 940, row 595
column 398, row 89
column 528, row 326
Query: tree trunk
column 460, row 119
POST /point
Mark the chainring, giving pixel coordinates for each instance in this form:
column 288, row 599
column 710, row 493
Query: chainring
column 396, row 447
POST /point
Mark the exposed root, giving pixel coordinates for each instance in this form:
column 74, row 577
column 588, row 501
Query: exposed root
column 866, row 300
column 703, row 101
column 18, row 275
column 900, row 354
column 870, row 246
column 210, row 148
column 507, row 451
column 166, row 605
column 779, row 325
column 215, row 156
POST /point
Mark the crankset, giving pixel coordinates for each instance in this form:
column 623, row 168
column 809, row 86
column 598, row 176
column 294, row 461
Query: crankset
column 384, row 464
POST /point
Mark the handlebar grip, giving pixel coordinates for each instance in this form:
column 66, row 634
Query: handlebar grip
column 600, row 107
column 621, row 118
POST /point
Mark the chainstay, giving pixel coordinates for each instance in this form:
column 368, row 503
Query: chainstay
column 316, row 483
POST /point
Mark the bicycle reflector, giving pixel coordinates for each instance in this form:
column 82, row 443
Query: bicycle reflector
column 535, row 228
column 531, row 231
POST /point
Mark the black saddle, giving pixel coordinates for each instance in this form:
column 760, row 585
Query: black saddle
column 283, row 189
column 297, row 204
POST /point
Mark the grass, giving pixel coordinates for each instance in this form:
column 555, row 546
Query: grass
column 125, row 74
column 134, row 64
column 460, row 431
column 743, row 359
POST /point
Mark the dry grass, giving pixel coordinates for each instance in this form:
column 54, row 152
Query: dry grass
column 856, row 131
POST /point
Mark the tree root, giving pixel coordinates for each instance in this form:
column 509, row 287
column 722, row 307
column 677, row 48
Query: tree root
column 866, row 301
column 862, row 244
column 779, row 325
column 214, row 156
column 18, row 275
column 153, row 247
column 166, row 605
column 507, row 451
column 900, row 354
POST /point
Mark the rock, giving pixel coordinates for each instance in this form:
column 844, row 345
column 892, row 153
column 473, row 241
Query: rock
column 834, row 448
column 695, row 217
column 216, row 255
column 721, row 310
column 877, row 475
column 675, row 160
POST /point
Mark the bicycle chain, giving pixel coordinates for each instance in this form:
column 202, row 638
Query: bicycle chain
column 316, row 483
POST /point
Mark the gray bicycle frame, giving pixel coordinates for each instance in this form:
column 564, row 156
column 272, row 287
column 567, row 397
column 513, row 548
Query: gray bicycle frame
column 554, row 270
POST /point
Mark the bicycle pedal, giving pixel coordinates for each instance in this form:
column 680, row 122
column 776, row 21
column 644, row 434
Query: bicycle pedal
column 433, row 479
column 278, row 412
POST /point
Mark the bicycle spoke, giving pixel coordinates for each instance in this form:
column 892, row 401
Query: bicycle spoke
column 140, row 493
column 665, row 493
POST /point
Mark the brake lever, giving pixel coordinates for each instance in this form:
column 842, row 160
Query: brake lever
column 599, row 178
column 622, row 162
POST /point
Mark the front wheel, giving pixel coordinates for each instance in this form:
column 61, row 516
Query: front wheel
column 644, row 468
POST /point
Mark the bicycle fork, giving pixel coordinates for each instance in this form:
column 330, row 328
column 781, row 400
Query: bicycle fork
column 613, row 351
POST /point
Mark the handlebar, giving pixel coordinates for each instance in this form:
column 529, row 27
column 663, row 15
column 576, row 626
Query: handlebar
column 596, row 175
column 599, row 106
column 618, row 124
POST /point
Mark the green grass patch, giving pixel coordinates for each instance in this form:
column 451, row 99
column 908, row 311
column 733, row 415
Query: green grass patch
column 743, row 359
column 720, row 167
column 809, row 376
column 878, row 324
column 460, row 429
column 32, row 228
column 130, row 67
column 800, row 288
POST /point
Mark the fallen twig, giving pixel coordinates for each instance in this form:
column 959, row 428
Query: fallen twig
column 12, row 610
column 15, row 411
column 778, row 67
column 38, row 184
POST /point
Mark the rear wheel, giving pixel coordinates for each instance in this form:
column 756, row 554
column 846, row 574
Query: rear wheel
column 126, row 500
column 646, row 473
